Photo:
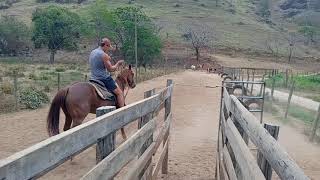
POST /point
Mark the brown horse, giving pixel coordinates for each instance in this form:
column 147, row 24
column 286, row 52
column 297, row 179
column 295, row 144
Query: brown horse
column 80, row 99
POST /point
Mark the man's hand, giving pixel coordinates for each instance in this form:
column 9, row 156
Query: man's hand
column 120, row 62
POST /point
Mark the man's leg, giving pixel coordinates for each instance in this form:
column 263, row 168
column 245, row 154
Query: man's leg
column 120, row 97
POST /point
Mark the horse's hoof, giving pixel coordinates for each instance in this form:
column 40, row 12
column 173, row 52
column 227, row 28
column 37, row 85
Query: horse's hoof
column 124, row 137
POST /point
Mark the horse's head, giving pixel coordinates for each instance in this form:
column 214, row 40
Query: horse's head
column 128, row 75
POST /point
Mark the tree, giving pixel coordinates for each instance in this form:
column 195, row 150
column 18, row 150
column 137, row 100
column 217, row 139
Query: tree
column 57, row 28
column 14, row 35
column 292, row 40
column 199, row 36
column 101, row 20
column 273, row 46
column 309, row 32
column 149, row 44
column 263, row 10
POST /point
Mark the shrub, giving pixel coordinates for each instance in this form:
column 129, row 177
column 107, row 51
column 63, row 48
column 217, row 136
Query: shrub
column 43, row 68
column 32, row 76
column 33, row 98
column 46, row 88
column 14, row 36
column 7, row 87
column 60, row 69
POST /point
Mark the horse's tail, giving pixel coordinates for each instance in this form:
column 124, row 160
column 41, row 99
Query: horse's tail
column 54, row 111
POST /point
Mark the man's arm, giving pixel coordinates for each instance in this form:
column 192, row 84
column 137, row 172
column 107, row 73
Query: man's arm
column 108, row 65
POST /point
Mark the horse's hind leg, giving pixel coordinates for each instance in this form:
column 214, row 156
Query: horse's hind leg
column 67, row 123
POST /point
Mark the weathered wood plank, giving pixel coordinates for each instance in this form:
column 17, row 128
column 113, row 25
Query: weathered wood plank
column 141, row 123
column 224, row 172
column 229, row 166
column 140, row 164
column 220, row 156
column 315, row 125
column 279, row 159
column 106, row 144
column 262, row 162
column 113, row 163
column 136, row 168
column 227, row 99
column 166, row 113
column 249, row 168
column 160, row 160
column 217, row 168
column 55, row 150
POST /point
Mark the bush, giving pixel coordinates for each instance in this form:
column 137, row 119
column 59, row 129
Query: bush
column 46, row 88
column 43, row 68
column 33, row 98
column 14, row 36
column 7, row 87
column 32, row 76
column 60, row 69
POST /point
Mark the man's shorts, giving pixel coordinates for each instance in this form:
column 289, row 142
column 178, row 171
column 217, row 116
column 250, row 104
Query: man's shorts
column 109, row 83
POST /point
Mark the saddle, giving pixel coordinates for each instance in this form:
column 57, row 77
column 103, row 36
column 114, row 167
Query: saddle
column 102, row 91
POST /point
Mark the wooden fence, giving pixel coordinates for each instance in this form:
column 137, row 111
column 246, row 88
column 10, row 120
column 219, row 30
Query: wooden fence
column 40, row 158
column 235, row 160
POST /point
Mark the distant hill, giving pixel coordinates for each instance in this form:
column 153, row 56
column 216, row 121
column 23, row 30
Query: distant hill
column 234, row 24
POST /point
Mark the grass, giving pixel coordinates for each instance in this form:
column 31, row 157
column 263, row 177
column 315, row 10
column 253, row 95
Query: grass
column 297, row 112
column 303, row 84
column 302, row 114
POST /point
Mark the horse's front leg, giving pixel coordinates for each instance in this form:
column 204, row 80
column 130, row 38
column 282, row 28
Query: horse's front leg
column 124, row 136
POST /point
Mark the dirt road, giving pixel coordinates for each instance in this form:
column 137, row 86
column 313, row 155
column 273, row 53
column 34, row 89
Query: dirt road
column 297, row 100
column 193, row 131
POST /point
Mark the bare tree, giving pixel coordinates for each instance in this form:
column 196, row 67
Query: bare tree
column 292, row 40
column 199, row 36
column 273, row 46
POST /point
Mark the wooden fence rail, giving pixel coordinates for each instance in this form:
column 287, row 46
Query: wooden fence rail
column 40, row 158
column 235, row 161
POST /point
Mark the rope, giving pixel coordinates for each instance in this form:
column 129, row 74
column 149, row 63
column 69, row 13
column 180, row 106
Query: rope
column 126, row 93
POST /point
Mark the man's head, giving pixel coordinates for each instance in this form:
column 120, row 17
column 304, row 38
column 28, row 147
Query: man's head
column 105, row 44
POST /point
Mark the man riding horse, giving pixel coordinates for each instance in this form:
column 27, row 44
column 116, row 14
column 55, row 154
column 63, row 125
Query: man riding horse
column 100, row 63
column 81, row 98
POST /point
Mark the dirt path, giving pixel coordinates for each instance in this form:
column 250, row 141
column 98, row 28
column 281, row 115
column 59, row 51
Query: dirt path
column 297, row 100
column 193, row 132
column 298, row 145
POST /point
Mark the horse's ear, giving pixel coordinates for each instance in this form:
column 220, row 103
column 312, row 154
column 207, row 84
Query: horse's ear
column 129, row 66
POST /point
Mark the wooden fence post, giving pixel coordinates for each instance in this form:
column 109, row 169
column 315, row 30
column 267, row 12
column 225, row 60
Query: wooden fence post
column 262, row 162
column 167, row 110
column 253, row 71
column 106, row 144
column 144, row 120
column 289, row 100
column 58, row 81
column 316, row 124
column 272, row 86
column 15, row 82
column 286, row 79
column 248, row 76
